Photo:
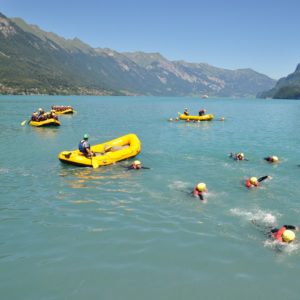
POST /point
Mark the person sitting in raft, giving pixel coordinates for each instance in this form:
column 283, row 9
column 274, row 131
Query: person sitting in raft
column 41, row 114
column 285, row 234
column 199, row 189
column 254, row 182
column 136, row 165
column 238, row 156
column 186, row 112
column 35, row 116
column 272, row 159
column 84, row 147
column 202, row 112
column 53, row 115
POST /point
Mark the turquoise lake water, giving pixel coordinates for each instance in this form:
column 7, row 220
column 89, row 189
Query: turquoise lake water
column 83, row 233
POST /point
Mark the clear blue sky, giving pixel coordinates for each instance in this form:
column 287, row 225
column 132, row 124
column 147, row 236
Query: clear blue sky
column 258, row 34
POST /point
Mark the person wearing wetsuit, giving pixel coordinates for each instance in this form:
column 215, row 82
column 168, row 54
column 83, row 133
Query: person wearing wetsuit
column 285, row 234
column 272, row 159
column 136, row 165
column 199, row 189
column 238, row 156
column 253, row 181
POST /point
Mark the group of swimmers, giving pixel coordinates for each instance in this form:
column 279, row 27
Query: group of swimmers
column 284, row 234
column 41, row 115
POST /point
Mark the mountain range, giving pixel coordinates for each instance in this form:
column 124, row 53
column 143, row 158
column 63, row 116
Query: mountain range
column 33, row 61
column 286, row 87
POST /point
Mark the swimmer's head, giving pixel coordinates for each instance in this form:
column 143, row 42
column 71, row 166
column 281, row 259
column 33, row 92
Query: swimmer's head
column 288, row 236
column 201, row 187
column 253, row 180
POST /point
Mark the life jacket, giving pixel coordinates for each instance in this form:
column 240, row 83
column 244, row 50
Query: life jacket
column 196, row 192
column 81, row 147
column 278, row 234
column 133, row 166
column 249, row 185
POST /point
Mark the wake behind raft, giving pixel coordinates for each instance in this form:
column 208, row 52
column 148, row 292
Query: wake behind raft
column 122, row 148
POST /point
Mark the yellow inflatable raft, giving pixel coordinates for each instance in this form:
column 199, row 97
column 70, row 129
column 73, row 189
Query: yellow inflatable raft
column 208, row 117
column 64, row 112
column 119, row 149
column 48, row 122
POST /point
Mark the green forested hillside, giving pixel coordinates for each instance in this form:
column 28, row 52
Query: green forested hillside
column 286, row 88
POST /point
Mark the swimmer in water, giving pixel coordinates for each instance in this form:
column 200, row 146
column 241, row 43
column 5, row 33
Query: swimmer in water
column 136, row 165
column 254, row 182
column 199, row 189
column 272, row 159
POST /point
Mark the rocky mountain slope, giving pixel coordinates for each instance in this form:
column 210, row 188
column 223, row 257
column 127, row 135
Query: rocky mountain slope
column 33, row 61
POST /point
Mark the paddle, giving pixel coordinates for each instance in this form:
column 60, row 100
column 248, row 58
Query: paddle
column 94, row 163
column 24, row 123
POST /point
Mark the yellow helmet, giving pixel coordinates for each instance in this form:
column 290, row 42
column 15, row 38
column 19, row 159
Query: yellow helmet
column 288, row 236
column 201, row 187
column 253, row 180
column 274, row 158
column 137, row 162
column 241, row 154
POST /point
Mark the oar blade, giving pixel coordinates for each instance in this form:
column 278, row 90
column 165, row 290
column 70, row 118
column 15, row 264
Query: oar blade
column 23, row 123
column 95, row 164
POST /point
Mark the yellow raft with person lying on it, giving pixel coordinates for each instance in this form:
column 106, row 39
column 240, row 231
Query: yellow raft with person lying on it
column 106, row 153
column 207, row 117
column 48, row 122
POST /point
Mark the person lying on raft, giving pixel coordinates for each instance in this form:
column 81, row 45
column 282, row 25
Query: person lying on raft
column 199, row 189
column 254, row 182
column 284, row 234
column 272, row 159
column 136, row 165
column 84, row 147
column 238, row 156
